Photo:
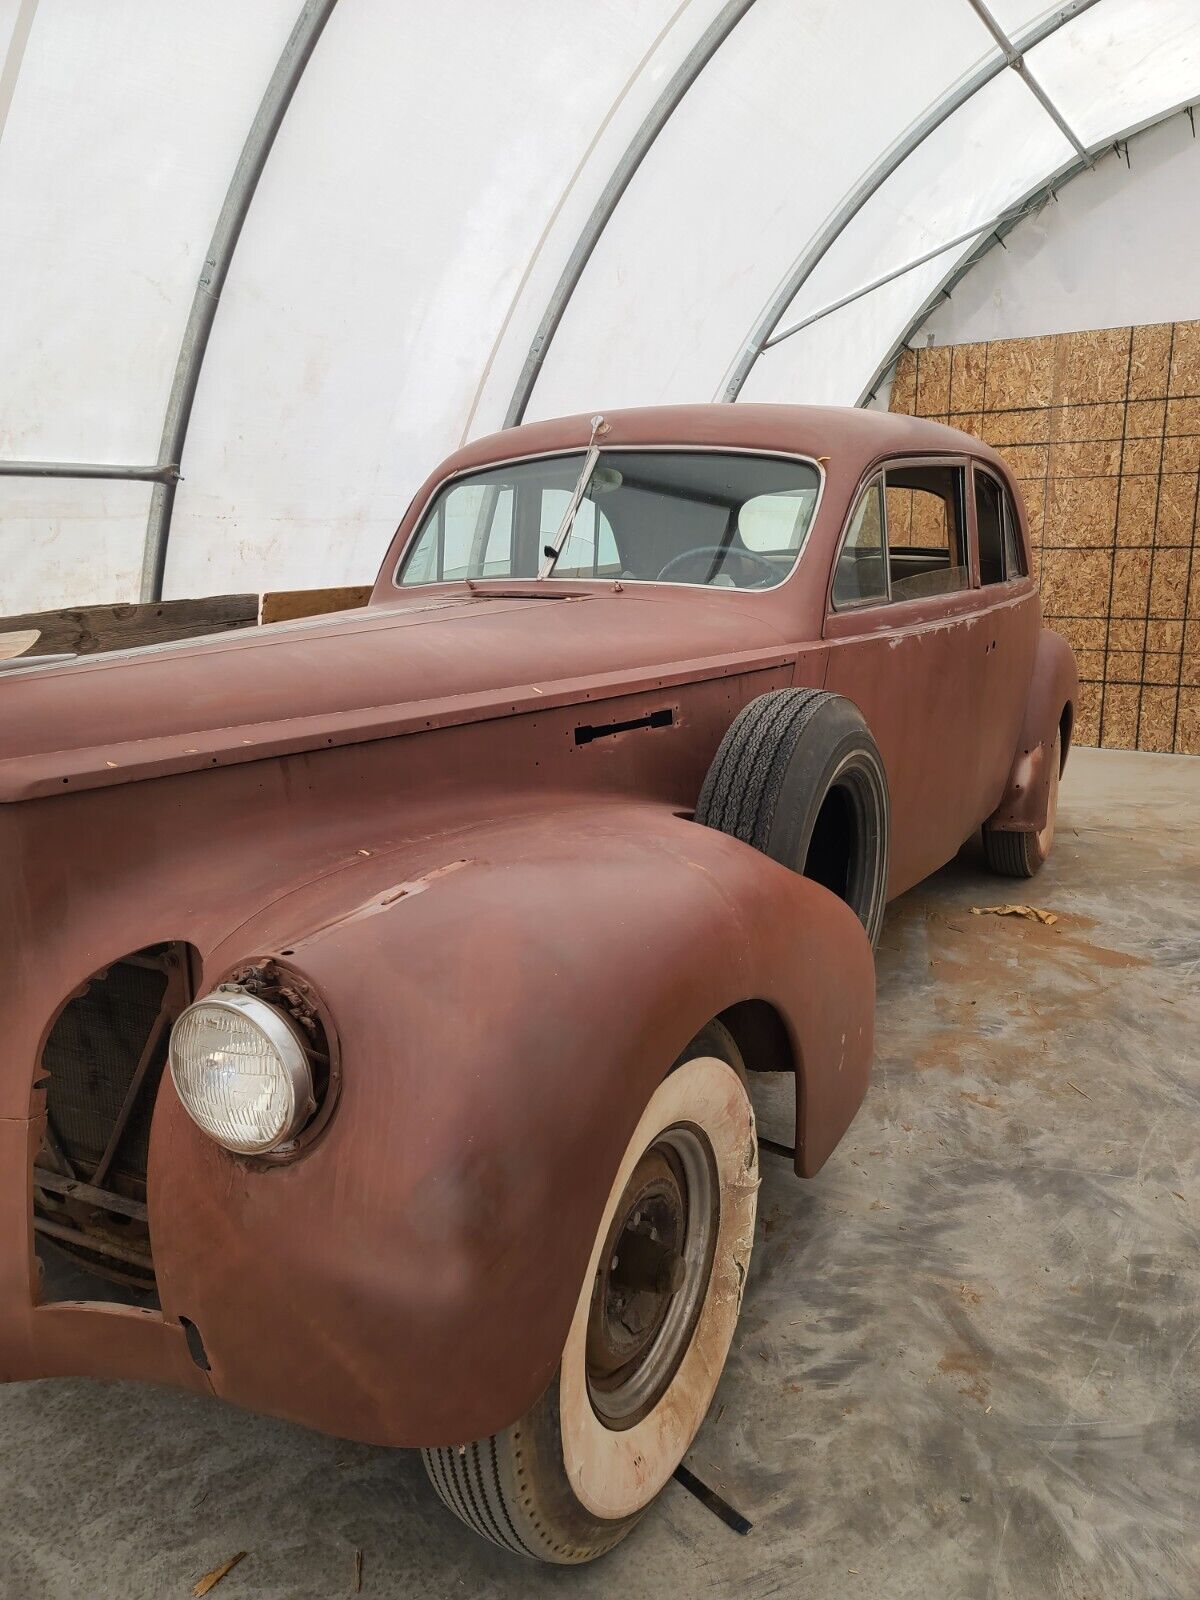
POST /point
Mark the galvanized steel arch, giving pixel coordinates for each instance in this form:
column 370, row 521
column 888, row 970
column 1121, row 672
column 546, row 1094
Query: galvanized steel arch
column 693, row 64
column 993, row 234
column 890, row 162
column 312, row 18
column 289, row 69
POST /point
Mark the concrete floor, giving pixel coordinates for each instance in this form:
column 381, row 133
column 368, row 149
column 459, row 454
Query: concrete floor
column 968, row 1363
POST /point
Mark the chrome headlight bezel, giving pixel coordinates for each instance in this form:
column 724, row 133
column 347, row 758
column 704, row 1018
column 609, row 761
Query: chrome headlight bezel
column 291, row 1054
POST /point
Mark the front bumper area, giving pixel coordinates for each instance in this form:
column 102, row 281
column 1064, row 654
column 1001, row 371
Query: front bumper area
column 71, row 1338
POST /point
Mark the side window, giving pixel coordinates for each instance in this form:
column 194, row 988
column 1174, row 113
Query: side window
column 927, row 551
column 989, row 527
column 470, row 532
column 861, row 575
column 1014, row 561
column 998, row 531
column 774, row 524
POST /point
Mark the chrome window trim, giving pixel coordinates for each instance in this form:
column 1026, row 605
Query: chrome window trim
column 626, row 583
column 877, row 479
column 989, row 471
column 879, row 469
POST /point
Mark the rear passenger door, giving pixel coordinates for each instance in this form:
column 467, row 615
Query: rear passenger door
column 1010, row 609
column 903, row 622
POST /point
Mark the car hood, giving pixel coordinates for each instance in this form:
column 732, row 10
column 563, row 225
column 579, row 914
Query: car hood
column 390, row 669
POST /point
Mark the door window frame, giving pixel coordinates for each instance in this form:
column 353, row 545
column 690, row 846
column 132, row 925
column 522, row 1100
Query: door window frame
column 875, row 481
column 1008, row 499
column 916, row 608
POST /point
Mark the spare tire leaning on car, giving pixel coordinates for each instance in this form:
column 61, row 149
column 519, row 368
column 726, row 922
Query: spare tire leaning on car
column 799, row 776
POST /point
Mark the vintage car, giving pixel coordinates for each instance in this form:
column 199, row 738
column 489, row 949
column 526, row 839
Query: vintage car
column 380, row 989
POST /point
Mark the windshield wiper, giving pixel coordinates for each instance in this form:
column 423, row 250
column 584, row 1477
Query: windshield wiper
column 552, row 551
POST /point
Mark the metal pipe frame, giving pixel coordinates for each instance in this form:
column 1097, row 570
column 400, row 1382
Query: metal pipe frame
column 310, row 23
column 1046, row 189
column 289, row 69
column 872, row 181
column 693, row 64
column 1010, row 216
column 1020, row 66
column 167, row 473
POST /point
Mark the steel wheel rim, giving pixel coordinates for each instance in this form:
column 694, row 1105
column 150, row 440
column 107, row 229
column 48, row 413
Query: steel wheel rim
column 672, row 1192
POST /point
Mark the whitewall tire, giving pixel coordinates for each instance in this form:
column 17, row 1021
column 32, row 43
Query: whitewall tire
column 647, row 1342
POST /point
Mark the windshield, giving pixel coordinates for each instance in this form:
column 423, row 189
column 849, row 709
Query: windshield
column 645, row 516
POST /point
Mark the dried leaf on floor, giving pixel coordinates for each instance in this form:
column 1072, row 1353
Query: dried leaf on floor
column 358, row 1572
column 210, row 1580
column 1030, row 913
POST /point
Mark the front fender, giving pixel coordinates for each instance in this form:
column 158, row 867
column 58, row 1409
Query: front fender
column 1053, row 689
column 505, row 1012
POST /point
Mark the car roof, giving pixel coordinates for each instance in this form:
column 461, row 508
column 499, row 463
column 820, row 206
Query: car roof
column 846, row 431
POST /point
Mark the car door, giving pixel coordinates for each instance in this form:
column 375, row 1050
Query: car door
column 1009, row 603
column 906, row 641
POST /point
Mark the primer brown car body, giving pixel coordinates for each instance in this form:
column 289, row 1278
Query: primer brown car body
column 514, row 933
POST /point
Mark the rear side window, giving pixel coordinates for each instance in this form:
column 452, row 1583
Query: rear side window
column 927, row 547
column 861, row 575
column 1014, row 561
column 996, row 526
column 989, row 527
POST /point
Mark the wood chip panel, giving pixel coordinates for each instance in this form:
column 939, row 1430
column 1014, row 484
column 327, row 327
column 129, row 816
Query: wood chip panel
column 1103, row 430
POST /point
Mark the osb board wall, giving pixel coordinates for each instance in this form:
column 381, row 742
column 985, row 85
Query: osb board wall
column 1103, row 429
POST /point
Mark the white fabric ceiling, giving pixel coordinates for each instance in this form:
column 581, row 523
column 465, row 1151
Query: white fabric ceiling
column 429, row 183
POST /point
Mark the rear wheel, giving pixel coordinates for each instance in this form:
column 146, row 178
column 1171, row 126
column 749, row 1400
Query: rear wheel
column 1020, row 855
column 647, row 1342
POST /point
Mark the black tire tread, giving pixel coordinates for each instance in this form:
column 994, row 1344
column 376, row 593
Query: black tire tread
column 469, row 1486
column 470, row 1483
column 741, row 789
column 1012, row 855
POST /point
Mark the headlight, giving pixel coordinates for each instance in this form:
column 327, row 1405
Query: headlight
column 241, row 1071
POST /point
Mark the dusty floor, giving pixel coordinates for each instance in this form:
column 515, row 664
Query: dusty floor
column 968, row 1364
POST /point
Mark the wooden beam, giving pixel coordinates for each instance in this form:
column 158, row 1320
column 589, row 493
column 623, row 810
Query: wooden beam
column 88, row 630
column 286, row 605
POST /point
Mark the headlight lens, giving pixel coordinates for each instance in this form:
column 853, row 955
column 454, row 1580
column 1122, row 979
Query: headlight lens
column 241, row 1071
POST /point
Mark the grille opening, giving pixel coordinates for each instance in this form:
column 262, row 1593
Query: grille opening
column 102, row 1062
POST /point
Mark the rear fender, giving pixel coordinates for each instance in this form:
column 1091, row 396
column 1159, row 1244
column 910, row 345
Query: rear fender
column 1053, row 689
column 504, row 1017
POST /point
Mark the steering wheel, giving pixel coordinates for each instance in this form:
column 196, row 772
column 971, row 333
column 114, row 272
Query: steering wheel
column 711, row 550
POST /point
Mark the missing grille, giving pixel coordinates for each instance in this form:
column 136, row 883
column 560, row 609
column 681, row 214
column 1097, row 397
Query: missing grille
column 101, row 1067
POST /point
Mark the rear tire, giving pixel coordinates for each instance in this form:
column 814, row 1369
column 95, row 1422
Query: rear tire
column 799, row 776
column 648, row 1340
column 1020, row 855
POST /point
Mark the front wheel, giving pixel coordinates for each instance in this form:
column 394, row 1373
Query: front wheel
column 648, row 1340
column 799, row 776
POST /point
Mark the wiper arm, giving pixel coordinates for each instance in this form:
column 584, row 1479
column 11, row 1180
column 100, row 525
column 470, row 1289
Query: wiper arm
column 552, row 551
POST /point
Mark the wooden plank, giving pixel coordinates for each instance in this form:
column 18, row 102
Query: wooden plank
column 16, row 644
column 286, row 605
column 88, row 630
